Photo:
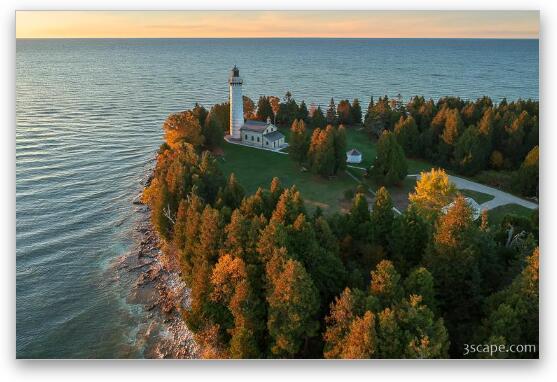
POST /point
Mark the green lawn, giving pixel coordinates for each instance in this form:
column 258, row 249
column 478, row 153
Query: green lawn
column 479, row 197
column 256, row 168
column 497, row 214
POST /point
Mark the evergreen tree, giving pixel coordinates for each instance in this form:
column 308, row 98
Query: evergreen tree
column 472, row 151
column 356, row 112
column 344, row 112
column 407, row 135
column 293, row 302
column 318, row 120
column 527, row 178
column 382, row 217
column 389, row 167
column 299, row 141
column 264, row 109
column 420, row 282
column 233, row 193
column 408, row 240
column 321, row 153
column 212, row 132
column 339, row 135
column 332, row 118
column 303, row 113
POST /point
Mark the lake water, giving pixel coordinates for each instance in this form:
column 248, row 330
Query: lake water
column 88, row 120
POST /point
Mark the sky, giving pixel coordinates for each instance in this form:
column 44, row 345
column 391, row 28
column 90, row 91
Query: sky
column 342, row 24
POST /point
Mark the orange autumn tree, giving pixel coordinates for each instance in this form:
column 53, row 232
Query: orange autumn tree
column 183, row 127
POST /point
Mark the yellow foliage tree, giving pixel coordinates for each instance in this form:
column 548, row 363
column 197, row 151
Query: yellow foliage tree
column 433, row 191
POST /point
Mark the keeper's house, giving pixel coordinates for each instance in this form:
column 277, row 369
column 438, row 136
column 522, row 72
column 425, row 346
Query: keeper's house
column 263, row 134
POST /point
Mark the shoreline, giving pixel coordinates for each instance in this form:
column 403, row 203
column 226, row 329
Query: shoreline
column 157, row 287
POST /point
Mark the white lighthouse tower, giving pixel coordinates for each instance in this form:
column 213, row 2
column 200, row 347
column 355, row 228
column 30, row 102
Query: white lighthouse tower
column 236, row 103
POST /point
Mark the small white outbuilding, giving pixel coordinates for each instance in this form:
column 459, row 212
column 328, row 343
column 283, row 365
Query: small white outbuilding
column 353, row 156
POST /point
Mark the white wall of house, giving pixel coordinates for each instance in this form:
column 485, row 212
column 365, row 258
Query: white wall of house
column 252, row 138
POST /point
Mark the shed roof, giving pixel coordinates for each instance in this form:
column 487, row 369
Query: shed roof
column 353, row 152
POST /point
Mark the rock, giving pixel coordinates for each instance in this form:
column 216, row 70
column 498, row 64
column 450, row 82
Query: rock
column 137, row 200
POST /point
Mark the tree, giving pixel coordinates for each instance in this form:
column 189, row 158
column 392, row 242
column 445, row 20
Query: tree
column 408, row 239
column 332, row 113
column 451, row 132
column 212, row 131
column 180, row 128
column 274, row 101
column 220, row 113
column 527, row 177
column 356, row 112
column 385, row 283
column 303, row 112
column 472, row 151
column 382, row 217
column 389, row 167
column 407, row 135
column 232, row 287
column 200, row 112
column 361, row 338
column 420, row 282
column 233, row 193
column 299, row 141
column 339, row 135
column 318, row 119
column 513, row 313
column 321, row 153
column 346, row 307
column 433, row 191
column 453, row 260
column 293, row 302
column 264, row 109
column 249, row 107
column 344, row 112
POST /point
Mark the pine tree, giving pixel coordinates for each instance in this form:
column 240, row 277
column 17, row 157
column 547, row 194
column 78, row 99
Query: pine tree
column 293, row 302
column 409, row 238
column 233, row 193
column 332, row 118
column 344, row 112
column 382, row 217
column 299, row 141
column 321, row 153
column 389, row 167
column 420, row 282
column 303, row 113
column 407, row 135
column 385, row 283
column 339, row 135
column 527, row 178
column 318, row 120
column 264, row 109
column 356, row 112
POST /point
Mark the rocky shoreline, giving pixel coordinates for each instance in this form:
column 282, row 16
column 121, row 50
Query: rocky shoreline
column 159, row 289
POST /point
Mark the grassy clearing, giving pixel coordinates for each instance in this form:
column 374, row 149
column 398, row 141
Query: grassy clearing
column 256, row 168
column 479, row 197
column 497, row 214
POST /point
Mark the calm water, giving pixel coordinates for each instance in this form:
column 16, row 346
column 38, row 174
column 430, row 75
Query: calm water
column 88, row 120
